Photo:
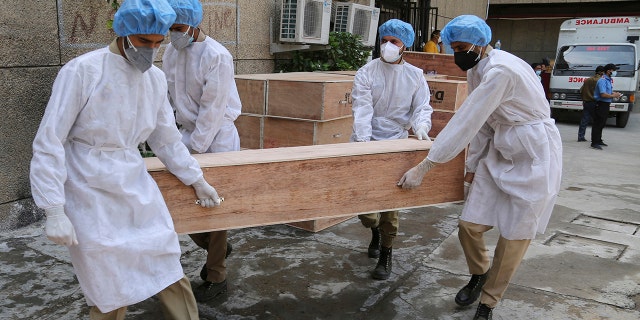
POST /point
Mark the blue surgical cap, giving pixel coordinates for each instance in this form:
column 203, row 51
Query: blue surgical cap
column 398, row 29
column 466, row 28
column 188, row 12
column 143, row 17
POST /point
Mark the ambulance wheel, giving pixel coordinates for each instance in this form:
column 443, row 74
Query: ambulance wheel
column 622, row 118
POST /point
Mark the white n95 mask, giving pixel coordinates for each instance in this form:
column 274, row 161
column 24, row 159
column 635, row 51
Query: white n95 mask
column 142, row 58
column 390, row 52
column 181, row 40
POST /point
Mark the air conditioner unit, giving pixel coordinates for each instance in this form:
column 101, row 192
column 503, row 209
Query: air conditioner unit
column 357, row 19
column 305, row 21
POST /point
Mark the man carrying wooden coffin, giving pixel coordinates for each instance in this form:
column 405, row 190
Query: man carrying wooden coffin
column 90, row 179
column 390, row 96
column 514, row 160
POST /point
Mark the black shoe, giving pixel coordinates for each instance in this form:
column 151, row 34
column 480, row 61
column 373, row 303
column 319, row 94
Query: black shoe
column 204, row 273
column 374, row 245
column 483, row 312
column 603, row 144
column 596, row 146
column 229, row 249
column 581, row 139
column 470, row 293
column 209, row 290
column 383, row 268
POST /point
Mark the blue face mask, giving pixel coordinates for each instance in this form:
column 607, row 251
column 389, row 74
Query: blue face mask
column 538, row 72
column 181, row 40
column 141, row 57
column 614, row 73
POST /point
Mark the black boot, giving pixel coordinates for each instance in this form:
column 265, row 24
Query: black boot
column 374, row 246
column 383, row 268
column 483, row 312
column 470, row 293
column 209, row 290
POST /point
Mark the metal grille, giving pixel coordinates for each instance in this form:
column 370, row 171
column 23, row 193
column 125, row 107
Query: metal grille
column 361, row 23
column 312, row 27
column 341, row 18
column 288, row 28
column 418, row 13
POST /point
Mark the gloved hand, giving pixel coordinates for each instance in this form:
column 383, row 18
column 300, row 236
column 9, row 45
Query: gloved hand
column 206, row 194
column 58, row 227
column 466, row 189
column 421, row 133
column 413, row 177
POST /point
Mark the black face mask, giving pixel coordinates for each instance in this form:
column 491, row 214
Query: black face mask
column 466, row 59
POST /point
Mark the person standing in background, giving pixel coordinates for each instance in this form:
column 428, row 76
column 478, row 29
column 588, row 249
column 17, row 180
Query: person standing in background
column 202, row 88
column 603, row 94
column 434, row 45
column 588, row 102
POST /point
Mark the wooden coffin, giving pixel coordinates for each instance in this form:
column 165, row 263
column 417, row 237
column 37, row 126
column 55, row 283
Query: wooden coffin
column 434, row 63
column 287, row 132
column 258, row 132
column 303, row 95
column 283, row 185
column 447, row 94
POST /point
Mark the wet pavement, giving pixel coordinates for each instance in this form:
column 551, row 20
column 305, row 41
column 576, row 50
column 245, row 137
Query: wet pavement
column 586, row 266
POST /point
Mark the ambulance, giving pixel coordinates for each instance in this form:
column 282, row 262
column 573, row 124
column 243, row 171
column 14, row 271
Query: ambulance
column 584, row 44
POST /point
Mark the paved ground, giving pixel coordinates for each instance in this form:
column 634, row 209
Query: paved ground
column 586, row 266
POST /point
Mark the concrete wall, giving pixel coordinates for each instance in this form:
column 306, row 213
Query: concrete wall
column 449, row 9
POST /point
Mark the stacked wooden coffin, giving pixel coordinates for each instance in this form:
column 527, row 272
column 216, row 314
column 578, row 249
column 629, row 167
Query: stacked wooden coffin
column 295, row 109
column 447, row 95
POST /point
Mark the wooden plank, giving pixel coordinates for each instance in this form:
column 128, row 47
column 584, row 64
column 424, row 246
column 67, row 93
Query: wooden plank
column 434, row 63
column 250, row 130
column 318, row 224
column 282, row 185
column 252, row 94
column 439, row 120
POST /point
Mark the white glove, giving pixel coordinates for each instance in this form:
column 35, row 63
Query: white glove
column 58, row 227
column 413, row 177
column 206, row 194
column 421, row 133
column 466, row 189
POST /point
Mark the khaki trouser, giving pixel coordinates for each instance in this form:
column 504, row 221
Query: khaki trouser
column 386, row 221
column 215, row 243
column 506, row 259
column 177, row 301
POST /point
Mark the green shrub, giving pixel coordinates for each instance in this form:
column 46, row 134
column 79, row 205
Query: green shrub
column 345, row 51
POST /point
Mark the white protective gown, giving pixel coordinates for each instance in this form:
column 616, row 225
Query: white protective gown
column 202, row 88
column 515, row 150
column 85, row 157
column 388, row 99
